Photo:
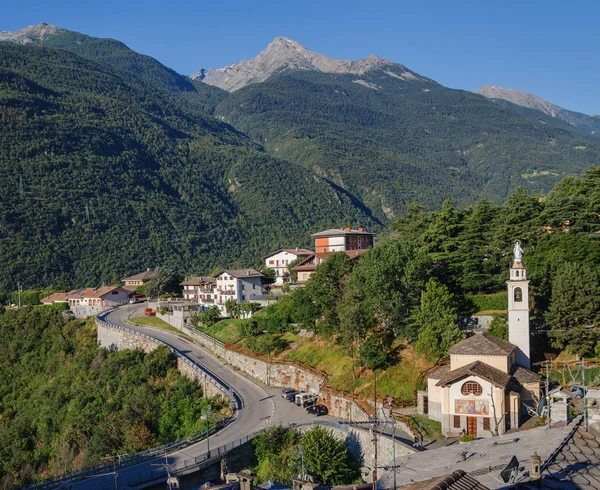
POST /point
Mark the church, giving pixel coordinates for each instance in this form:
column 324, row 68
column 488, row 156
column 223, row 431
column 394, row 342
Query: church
column 488, row 384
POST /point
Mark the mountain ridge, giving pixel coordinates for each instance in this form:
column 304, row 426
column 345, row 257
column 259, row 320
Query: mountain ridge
column 284, row 54
column 521, row 98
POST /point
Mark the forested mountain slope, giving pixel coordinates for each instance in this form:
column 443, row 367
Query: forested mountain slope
column 391, row 136
column 102, row 175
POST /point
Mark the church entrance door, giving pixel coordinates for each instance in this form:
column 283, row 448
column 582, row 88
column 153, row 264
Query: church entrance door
column 472, row 426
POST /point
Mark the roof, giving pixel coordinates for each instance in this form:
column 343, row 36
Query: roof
column 300, row 252
column 273, row 485
column 524, row 375
column 197, row 280
column 483, row 345
column 55, row 298
column 479, row 369
column 242, row 273
column 459, row 480
column 575, row 466
column 86, row 293
column 341, row 232
column 440, row 372
column 142, row 276
column 305, row 265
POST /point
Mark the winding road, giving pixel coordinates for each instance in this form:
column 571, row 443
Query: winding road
column 261, row 406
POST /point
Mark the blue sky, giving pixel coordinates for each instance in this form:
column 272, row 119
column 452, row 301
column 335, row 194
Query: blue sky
column 547, row 47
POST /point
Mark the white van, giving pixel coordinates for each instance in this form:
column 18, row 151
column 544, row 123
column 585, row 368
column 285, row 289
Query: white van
column 305, row 399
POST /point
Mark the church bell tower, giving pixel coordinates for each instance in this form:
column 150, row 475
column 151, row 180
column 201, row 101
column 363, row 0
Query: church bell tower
column 518, row 308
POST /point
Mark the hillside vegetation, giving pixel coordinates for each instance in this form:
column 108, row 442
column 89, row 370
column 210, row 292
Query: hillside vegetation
column 65, row 402
column 406, row 138
column 396, row 308
column 101, row 175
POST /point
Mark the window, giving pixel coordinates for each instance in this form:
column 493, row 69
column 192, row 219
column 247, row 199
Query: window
column 271, row 261
column 518, row 295
column 517, row 273
column 486, row 423
column 115, row 292
column 457, row 421
column 243, row 297
column 471, row 388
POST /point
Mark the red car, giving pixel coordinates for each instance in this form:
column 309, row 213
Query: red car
column 149, row 312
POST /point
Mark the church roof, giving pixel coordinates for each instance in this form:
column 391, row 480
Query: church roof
column 480, row 369
column 524, row 375
column 483, row 345
column 440, row 372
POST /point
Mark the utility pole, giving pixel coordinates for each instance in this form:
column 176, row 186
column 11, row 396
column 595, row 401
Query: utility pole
column 19, row 290
column 375, row 431
column 549, row 425
column 172, row 481
column 207, row 434
column 585, row 414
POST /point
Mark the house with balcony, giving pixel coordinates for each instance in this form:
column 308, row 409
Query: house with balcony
column 199, row 289
column 278, row 261
column 241, row 285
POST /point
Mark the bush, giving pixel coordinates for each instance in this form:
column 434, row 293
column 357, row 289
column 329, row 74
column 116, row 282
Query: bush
column 467, row 438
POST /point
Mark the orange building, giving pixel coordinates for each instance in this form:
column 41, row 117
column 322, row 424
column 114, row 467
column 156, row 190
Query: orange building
column 342, row 240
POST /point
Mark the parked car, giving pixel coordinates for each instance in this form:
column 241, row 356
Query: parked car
column 291, row 397
column 149, row 312
column 577, row 392
column 305, row 399
column 317, row 410
column 137, row 298
column 288, row 391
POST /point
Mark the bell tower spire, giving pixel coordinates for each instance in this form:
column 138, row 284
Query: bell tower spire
column 518, row 308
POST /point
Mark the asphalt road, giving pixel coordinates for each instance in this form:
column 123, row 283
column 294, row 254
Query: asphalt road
column 262, row 406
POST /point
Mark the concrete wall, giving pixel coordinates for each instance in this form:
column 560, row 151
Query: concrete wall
column 85, row 311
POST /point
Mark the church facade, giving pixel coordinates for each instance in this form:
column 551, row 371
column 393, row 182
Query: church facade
column 488, row 383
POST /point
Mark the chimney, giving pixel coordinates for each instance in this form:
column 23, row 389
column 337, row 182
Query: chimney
column 245, row 478
column 361, row 230
column 347, row 229
column 147, row 269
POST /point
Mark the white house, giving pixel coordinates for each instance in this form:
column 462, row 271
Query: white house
column 241, row 285
column 104, row 296
column 279, row 261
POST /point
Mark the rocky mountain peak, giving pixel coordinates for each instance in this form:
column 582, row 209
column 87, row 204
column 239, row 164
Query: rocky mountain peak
column 282, row 54
column 532, row 101
column 31, row 34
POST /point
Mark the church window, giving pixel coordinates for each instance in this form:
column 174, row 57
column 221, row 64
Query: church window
column 471, row 387
column 486, row 423
column 517, row 273
column 518, row 295
column 457, row 421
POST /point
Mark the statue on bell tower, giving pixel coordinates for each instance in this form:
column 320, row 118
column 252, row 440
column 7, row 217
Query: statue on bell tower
column 518, row 252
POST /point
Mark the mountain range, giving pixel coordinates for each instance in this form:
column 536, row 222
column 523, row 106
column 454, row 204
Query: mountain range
column 111, row 162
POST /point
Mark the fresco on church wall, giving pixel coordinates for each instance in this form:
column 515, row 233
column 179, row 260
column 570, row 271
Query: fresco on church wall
column 471, row 407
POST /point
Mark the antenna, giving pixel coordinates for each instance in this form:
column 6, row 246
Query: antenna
column 21, row 193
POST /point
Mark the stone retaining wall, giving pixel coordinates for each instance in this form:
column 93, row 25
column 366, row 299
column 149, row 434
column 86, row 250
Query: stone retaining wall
column 284, row 374
column 117, row 339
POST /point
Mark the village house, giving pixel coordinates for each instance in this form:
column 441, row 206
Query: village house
column 305, row 268
column 488, row 385
column 199, row 289
column 106, row 296
column 241, row 285
column 133, row 282
column 278, row 261
column 342, row 240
